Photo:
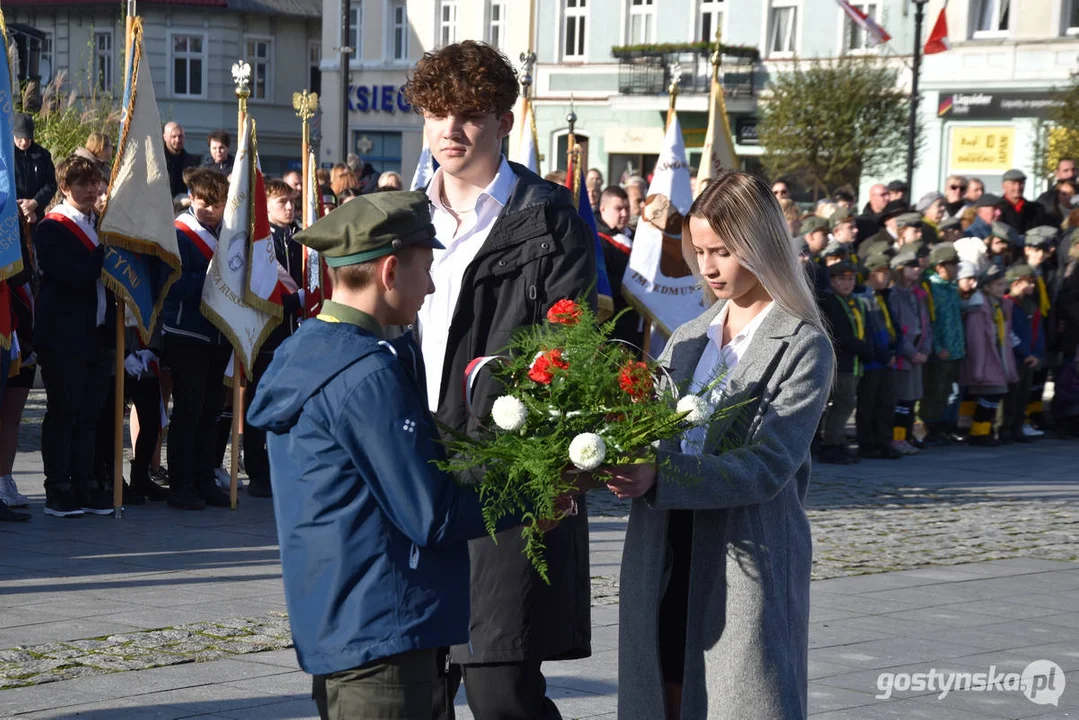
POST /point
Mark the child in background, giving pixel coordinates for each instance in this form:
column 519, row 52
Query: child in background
column 846, row 319
column 1028, row 339
column 876, row 388
column 946, row 318
column 967, row 283
column 911, row 319
column 1039, row 246
column 989, row 365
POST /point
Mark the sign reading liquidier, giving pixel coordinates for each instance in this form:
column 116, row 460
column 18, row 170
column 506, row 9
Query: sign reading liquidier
column 994, row 105
column 981, row 149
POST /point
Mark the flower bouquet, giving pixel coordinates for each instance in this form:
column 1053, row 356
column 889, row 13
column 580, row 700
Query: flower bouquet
column 574, row 401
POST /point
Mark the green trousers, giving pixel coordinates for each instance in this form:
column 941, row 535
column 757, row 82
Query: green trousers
column 399, row 687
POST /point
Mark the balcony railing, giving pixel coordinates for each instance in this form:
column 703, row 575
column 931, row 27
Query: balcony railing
column 645, row 71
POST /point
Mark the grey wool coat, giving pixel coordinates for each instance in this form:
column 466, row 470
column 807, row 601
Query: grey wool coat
column 748, row 628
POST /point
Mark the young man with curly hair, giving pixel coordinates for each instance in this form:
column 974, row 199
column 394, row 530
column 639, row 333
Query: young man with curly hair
column 514, row 245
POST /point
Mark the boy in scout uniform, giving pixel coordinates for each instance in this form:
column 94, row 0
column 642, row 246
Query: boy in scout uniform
column 373, row 536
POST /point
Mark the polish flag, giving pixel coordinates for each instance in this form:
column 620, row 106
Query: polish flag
column 938, row 39
column 876, row 33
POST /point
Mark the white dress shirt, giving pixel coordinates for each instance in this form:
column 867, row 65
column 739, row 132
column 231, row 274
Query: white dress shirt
column 718, row 361
column 462, row 243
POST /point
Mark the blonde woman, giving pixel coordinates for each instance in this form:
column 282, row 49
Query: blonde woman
column 714, row 602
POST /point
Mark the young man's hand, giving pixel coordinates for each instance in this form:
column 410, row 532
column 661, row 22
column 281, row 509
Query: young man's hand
column 1030, row 361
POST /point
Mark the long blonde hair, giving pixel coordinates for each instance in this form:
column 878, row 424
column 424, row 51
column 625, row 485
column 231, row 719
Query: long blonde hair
column 742, row 211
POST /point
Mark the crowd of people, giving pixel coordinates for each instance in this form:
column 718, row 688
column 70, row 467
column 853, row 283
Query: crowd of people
column 955, row 310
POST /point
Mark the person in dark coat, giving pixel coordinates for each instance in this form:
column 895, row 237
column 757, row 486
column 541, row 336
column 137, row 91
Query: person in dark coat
column 515, row 246
column 612, row 226
column 365, row 173
column 176, row 158
column 35, row 176
column 373, row 535
column 219, row 158
column 884, row 238
column 1015, row 210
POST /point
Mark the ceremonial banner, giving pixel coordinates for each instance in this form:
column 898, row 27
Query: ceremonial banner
column 658, row 283
column 264, row 289
column 225, row 293
column 718, row 150
column 10, row 250
column 528, row 147
column 314, row 280
column 142, row 258
column 425, row 167
column 575, row 182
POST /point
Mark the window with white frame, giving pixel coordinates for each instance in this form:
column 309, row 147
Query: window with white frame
column 103, row 60
column 1071, row 18
column 314, row 60
column 188, row 65
column 992, row 18
column 45, row 61
column 399, row 30
column 709, row 19
column 447, row 22
column 573, row 29
column 355, row 29
column 642, row 22
column 782, row 28
column 496, row 23
column 858, row 40
column 259, row 54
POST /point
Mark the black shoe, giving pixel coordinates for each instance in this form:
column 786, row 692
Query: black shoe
column 9, row 515
column 834, row 455
column 182, row 500
column 215, row 497
column 96, row 502
column 937, row 439
column 983, row 441
column 149, row 489
column 890, row 453
column 259, row 488
column 132, row 496
column 160, row 476
column 870, row 453
column 62, row 502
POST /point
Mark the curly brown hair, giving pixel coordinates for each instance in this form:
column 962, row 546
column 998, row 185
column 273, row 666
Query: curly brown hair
column 464, row 77
column 75, row 169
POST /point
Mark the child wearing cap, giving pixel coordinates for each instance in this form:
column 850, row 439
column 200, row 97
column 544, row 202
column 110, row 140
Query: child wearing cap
column 911, row 318
column 1038, row 249
column 846, row 316
column 373, row 536
column 967, row 284
column 989, row 365
column 875, row 414
column 1028, row 340
column 945, row 316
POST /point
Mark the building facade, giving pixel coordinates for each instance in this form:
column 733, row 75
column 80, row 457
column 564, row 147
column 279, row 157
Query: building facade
column 191, row 46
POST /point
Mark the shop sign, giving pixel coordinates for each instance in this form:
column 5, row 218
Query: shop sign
column 993, row 105
column 981, row 149
column 377, row 98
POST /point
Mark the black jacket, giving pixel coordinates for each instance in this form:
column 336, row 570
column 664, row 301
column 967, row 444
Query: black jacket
column 368, row 178
column 1032, row 215
column 1066, row 312
column 290, row 254
column 538, row 252
column 222, row 167
column 35, row 176
column 628, row 327
column 66, row 306
column 176, row 165
column 846, row 344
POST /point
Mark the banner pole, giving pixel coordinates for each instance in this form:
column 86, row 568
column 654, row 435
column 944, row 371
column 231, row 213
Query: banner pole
column 237, row 413
column 118, row 420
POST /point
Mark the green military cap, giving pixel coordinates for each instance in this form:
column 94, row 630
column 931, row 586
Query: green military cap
column 842, row 268
column 943, row 254
column 908, row 219
column 840, row 216
column 906, row 256
column 1041, row 236
column 1003, row 231
column 994, row 272
column 918, row 247
column 813, row 224
column 878, row 261
column 1019, row 270
column 835, row 248
column 876, row 247
column 371, row 226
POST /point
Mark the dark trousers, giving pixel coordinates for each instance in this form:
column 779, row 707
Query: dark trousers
column 399, row 687
column 1015, row 404
column 875, row 408
column 256, row 457
column 1036, row 406
column 985, row 414
column 198, row 389
column 508, row 691
column 843, row 402
column 146, row 395
column 938, row 377
column 75, row 389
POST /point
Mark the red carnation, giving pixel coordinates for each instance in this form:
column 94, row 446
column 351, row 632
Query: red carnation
column 636, row 379
column 544, row 364
column 565, row 312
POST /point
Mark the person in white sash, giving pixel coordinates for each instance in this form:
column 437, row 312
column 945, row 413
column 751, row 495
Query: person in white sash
column 72, row 339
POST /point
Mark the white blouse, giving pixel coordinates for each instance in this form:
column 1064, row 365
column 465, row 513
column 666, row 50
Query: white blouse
column 718, row 361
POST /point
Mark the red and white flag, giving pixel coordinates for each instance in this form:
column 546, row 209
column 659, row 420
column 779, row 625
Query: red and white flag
column 938, row 38
column 874, row 32
column 315, row 285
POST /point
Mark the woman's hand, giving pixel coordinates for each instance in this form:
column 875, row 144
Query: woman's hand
column 630, row 481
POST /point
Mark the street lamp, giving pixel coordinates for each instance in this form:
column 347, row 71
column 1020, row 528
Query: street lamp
column 919, row 18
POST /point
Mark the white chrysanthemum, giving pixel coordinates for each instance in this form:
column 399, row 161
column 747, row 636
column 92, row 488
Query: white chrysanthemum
column 587, row 451
column 697, row 407
column 509, row 413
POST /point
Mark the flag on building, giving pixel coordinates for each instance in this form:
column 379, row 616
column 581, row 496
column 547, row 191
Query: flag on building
column 226, row 291
column 10, row 248
column 938, row 38
column 142, row 258
column 425, row 168
column 874, row 32
column 314, row 270
column 718, row 150
column 575, row 183
column 658, row 282
column 528, row 147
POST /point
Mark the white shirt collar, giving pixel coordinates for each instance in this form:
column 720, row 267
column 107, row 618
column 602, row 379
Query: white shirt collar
column 715, row 328
column 498, row 189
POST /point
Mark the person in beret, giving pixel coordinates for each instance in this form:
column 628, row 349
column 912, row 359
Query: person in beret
column 1028, row 346
column 875, row 413
column 911, row 317
column 888, row 231
column 844, row 228
column 940, row 284
column 908, row 225
column 373, row 536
